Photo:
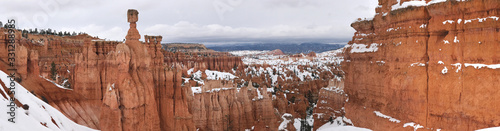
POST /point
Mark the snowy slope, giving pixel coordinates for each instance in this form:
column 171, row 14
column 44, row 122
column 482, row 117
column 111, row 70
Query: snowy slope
column 335, row 127
column 490, row 129
column 38, row 113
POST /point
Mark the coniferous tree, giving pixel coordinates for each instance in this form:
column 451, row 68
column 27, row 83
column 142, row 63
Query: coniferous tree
column 53, row 71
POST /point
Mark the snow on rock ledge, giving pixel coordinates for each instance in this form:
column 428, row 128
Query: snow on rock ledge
column 216, row 75
column 387, row 117
column 479, row 66
column 415, row 3
column 490, row 129
column 362, row 48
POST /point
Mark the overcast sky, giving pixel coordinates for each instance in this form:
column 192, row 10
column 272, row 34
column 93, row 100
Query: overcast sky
column 199, row 21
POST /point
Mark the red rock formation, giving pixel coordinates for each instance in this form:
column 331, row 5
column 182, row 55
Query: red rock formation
column 219, row 108
column 401, row 75
column 330, row 103
column 275, row 52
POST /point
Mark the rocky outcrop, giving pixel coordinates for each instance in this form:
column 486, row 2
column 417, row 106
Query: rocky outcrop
column 186, row 47
column 216, row 108
column 422, row 64
column 330, row 103
column 204, row 60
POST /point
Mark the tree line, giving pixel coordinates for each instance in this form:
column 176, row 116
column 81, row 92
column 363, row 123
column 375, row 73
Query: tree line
column 45, row 31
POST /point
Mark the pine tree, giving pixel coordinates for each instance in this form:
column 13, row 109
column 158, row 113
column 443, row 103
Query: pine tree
column 53, row 71
column 49, row 31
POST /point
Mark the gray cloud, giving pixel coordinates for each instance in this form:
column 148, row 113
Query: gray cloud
column 203, row 21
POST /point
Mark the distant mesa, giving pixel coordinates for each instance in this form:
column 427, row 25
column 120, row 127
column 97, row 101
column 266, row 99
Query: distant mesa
column 186, row 47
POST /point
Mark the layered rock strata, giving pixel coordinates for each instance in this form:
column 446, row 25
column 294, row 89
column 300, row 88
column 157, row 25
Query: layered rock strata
column 435, row 65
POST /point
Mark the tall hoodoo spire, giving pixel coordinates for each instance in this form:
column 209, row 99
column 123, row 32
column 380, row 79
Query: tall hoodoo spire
column 133, row 33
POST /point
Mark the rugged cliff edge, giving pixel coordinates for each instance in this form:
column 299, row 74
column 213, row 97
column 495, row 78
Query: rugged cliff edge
column 429, row 64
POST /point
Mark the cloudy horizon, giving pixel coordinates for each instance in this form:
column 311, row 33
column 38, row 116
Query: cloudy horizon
column 195, row 21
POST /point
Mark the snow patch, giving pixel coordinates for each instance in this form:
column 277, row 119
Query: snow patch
column 415, row 126
column 387, row 117
column 216, row 75
column 446, row 42
column 340, row 124
column 490, row 129
column 285, row 122
column 60, row 86
column 415, row 3
column 458, row 65
column 423, row 26
column 481, row 19
column 479, row 66
column 196, row 90
column 444, row 71
column 417, row 64
column 448, row 21
column 190, row 71
column 362, row 48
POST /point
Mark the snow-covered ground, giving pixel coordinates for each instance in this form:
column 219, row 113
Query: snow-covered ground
column 247, row 52
column 333, row 127
column 37, row 114
column 287, row 67
column 339, row 124
column 211, row 75
column 490, row 129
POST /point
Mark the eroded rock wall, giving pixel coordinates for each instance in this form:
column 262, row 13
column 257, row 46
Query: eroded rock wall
column 415, row 64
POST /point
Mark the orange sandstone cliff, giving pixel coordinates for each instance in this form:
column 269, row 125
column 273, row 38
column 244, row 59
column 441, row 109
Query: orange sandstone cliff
column 436, row 66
